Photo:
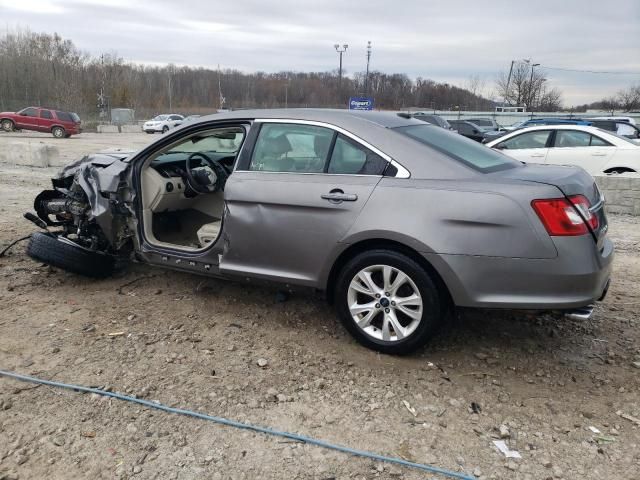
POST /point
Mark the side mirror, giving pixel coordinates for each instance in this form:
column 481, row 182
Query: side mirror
column 500, row 146
column 23, row 114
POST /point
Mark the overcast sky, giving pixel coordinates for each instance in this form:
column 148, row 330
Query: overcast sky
column 445, row 40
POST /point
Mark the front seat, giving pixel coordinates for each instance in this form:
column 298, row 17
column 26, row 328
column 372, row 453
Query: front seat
column 273, row 154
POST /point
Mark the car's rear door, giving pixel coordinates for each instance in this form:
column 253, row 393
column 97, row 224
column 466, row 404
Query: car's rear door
column 294, row 197
column 45, row 120
column 528, row 147
column 576, row 147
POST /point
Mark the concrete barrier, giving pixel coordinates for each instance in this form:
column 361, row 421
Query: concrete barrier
column 108, row 129
column 622, row 192
column 131, row 128
column 33, row 154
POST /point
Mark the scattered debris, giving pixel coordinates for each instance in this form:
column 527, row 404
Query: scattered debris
column 116, row 334
column 476, row 408
column 410, row 408
column 262, row 362
column 502, row 446
column 88, row 328
column 628, row 417
column 504, row 432
column 594, row 429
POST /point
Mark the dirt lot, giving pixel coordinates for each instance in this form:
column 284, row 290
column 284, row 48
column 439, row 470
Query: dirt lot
column 195, row 343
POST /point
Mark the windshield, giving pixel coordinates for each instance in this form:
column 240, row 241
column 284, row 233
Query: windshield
column 621, row 137
column 160, row 118
column 472, row 154
column 482, row 122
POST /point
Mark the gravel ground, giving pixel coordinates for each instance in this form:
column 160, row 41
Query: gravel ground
column 241, row 352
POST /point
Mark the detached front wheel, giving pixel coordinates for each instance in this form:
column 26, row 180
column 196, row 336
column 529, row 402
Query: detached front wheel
column 62, row 253
column 388, row 302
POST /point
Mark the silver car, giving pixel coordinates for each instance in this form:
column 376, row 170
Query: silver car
column 396, row 220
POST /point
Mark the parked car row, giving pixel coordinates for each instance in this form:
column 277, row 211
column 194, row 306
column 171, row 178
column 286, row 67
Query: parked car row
column 60, row 123
column 599, row 145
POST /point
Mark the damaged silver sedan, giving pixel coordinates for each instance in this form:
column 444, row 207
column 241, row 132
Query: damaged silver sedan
column 396, row 220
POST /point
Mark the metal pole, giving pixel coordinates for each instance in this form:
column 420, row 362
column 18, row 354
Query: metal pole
column 366, row 79
column 532, row 94
column 506, row 90
column 340, row 52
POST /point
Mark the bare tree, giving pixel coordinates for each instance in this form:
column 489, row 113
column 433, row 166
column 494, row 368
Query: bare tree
column 523, row 88
column 629, row 98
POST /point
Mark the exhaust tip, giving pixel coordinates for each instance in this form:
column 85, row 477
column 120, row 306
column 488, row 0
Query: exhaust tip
column 582, row 313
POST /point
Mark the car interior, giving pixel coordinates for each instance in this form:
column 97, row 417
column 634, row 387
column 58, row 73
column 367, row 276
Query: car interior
column 183, row 186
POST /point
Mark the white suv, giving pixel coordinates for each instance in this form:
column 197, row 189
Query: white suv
column 162, row 123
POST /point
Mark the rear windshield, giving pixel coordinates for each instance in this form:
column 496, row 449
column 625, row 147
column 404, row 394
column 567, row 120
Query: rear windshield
column 472, row 154
column 482, row 122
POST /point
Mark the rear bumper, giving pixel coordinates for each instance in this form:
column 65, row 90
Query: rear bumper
column 578, row 276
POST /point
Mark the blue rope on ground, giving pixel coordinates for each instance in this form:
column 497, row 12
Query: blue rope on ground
column 245, row 426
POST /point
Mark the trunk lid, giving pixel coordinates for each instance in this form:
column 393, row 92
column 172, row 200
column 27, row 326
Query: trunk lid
column 570, row 180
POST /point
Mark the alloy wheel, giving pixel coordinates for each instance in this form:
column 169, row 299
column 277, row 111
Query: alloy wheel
column 385, row 303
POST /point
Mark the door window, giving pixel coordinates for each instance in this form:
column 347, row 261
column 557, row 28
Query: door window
column 351, row 158
column 537, row 139
column 288, row 147
column 46, row 114
column 29, row 112
column 575, row 138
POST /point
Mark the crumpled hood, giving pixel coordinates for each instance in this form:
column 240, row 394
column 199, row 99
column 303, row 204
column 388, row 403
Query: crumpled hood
column 101, row 160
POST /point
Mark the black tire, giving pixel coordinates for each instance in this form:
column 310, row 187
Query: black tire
column 58, row 132
column 433, row 309
column 8, row 125
column 47, row 248
column 165, row 129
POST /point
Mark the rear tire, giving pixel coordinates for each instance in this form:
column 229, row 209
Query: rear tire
column 428, row 309
column 49, row 249
column 8, row 126
column 58, row 132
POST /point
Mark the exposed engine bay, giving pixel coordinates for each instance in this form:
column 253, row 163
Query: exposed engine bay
column 180, row 195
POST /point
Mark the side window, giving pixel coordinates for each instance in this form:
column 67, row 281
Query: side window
column 537, row 139
column 63, row 116
column 598, row 142
column 290, row 147
column 46, row 114
column 175, row 117
column 572, row 138
column 351, row 158
column 29, row 112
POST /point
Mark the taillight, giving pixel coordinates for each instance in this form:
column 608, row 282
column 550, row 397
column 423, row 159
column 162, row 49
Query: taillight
column 564, row 217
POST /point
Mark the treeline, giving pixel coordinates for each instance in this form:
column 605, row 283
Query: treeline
column 626, row 100
column 45, row 69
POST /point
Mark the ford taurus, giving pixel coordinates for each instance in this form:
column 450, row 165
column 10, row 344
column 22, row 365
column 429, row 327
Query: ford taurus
column 395, row 220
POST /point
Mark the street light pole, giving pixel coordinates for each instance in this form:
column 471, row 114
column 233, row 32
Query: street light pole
column 366, row 80
column 532, row 95
column 506, row 89
column 340, row 52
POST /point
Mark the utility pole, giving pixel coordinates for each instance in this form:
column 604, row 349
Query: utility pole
column 532, row 95
column 366, row 79
column 506, row 90
column 340, row 52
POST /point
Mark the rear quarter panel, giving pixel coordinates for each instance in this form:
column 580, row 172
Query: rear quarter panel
column 457, row 217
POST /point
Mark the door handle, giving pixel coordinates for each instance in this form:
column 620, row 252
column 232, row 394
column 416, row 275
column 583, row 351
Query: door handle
column 537, row 155
column 598, row 154
column 339, row 196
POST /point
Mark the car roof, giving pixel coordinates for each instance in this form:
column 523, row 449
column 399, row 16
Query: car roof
column 342, row 118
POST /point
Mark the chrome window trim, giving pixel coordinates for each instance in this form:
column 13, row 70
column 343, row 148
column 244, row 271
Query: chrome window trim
column 402, row 171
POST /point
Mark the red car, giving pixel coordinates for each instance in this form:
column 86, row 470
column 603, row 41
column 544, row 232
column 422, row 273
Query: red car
column 59, row 123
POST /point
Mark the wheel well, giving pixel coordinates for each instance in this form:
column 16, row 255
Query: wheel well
column 619, row 169
column 371, row 244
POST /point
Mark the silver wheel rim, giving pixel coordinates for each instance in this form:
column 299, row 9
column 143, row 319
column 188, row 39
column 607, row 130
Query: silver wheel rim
column 385, row 303
column 57, row 133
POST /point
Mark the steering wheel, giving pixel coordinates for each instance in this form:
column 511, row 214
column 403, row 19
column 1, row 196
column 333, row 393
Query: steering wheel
column 202, row 181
